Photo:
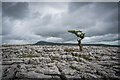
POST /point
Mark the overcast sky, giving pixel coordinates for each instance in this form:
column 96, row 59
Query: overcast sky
column 29, row 22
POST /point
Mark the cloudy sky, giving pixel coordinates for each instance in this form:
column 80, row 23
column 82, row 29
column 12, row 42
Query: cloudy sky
column 29, row 22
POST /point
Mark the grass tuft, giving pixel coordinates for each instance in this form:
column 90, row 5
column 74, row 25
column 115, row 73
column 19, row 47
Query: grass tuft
column 113, row 64
column 72, row 67
column 33, row 66
column 30, row 56
column 10, row 53
column 52, row 60
column 86, row 58
column 70, row 50
column 81, row 67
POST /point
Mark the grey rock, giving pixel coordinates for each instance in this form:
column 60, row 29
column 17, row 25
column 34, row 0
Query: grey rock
column 9, row 72
column 32, row 74
column 105, row 58
column 54, row 63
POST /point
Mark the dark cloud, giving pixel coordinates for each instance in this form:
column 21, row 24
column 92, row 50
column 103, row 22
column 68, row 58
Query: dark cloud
column 97, row 18
column 51, row 21
column 0, row 20
column 17, row 10
column 74, row 6
column 12, row 11
column 6, row 26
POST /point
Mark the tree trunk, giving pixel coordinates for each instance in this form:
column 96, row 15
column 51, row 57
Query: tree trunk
column 79, row 44
column 80, row 48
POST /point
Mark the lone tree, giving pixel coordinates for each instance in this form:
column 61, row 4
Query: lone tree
column 80, row 35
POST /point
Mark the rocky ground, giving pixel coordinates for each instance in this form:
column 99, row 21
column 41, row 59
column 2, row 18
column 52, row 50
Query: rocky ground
column 60, row 63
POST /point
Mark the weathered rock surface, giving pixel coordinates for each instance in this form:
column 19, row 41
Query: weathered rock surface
column 60, row 63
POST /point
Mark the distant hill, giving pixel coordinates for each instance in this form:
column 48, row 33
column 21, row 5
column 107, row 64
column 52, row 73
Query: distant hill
column 51, row 43
column 44, row 43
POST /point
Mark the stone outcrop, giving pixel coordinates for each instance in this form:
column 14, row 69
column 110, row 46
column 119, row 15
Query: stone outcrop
column 60, row 62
